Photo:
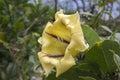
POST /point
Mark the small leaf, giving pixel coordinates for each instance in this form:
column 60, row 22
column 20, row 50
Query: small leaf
column 102, row 3
column 106, row 28
column 117, row 60
column 19, row 25
column 31, row 59
column 86, row 14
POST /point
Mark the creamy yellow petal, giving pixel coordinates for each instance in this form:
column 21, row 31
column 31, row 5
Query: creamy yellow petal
column 61, row 65
column 45, row 61
column 63, row 37
column 65, row 63
column 77, row 43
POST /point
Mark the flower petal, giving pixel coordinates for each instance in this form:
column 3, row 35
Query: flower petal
column 61, row 41
column 65, row 63
column 45, row 61
column 61, row 64
column 72, row 22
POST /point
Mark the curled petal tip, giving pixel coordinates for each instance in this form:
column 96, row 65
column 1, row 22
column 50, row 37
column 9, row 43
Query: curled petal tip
column 61, row 11
column 40, row 40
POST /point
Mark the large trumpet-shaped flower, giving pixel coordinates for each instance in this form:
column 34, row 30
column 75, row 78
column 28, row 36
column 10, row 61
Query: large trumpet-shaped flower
column 61, row 42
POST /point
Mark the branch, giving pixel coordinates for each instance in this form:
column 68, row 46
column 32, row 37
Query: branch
column 83, row 5
column 32, row 24
column 56, row 2
column 78, row 7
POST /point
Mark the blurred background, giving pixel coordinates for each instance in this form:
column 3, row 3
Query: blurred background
column 22, row 23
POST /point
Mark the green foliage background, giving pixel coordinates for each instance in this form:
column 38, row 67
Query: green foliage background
column 22, row 23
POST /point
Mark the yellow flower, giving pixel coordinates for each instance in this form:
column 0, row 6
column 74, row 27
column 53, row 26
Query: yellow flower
column 61, row 42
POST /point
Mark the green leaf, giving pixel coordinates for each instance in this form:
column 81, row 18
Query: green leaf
column 117, row 60
column 31, row 59
column 101, row 55
column 86, row 14
column 90, row 35
column 112, row 36
column 107, row 46
column 88, row 67
column 102, row 3
column 66, row 76
column 87, row 78
column 96, row 56
column 18, row 25
column 12, row 70
column 109, row 14
column 80, row 69
column 106, row 28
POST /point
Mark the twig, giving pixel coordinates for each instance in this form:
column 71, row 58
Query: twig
column 78, row 7
column 20, row 75
column 26, row 31
column 83, row 5
column 56, row 5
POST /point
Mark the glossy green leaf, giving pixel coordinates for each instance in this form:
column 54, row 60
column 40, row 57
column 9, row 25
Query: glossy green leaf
column 96, row 56
column 89, row 71
column 66, row 76
column 100, row 54
column 107, row 46
column 90, row 35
